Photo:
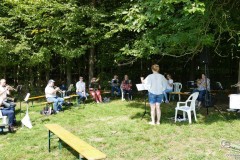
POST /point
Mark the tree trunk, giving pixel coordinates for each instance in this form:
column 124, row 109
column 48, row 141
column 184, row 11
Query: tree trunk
column 91, row 63
column 69, row 69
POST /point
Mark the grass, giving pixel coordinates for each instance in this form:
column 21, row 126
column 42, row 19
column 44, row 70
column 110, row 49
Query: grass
column 116, row 129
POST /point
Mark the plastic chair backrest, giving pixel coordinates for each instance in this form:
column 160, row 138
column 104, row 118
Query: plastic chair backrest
column 192, row 99
column 177, row 86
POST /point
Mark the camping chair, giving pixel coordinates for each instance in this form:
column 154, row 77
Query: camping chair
column 187, row 106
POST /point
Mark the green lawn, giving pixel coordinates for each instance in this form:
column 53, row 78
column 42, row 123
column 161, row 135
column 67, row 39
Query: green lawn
column 116, row 129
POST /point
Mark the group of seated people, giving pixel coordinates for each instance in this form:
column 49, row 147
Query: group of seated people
column 125, row 86
column 203, row 85
column 94, row 90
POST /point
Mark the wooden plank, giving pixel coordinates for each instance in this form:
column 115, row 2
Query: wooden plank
column 32, row 98
column 83, row 148
column 74, row 95
column 181, row 93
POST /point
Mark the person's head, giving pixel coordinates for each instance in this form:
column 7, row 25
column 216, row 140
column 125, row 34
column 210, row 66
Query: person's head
column 51, row 82
column 115, row 77
column 126, row 77
column 203, row 76
column 155, row 68
column 81, row 79
column 93, row 79
column 3, row 82
column 169, row 76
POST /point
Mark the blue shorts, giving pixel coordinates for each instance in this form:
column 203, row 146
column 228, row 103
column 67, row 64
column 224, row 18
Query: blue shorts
column 153, row 98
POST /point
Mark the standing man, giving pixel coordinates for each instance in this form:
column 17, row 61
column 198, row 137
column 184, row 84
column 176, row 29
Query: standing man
column 51, row 95
column 115, row 86
column 81, row 90
column 157, row 84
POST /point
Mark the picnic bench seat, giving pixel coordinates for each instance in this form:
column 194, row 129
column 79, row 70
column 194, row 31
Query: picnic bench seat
column 51, row 103
column 187, row 94
column 84, row 149
column 35, row 98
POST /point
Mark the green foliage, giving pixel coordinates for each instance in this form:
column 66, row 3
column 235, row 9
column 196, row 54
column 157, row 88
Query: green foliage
column 173, row 27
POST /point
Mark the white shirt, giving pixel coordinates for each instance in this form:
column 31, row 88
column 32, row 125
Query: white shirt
column 80, row 86
column 3, row 94
column 170, row 82
column 50, row 92
column 157, row 83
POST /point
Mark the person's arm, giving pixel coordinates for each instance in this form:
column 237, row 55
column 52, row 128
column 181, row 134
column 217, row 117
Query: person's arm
column 52, row 90
column 130, row 84
column 170, row 83
column 77, row 88
column 164, row 83
column 99, row 86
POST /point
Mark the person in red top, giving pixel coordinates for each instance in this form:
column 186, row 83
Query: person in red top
column 127, row 87
column 94, row 89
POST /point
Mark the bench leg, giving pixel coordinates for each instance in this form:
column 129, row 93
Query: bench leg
column 60, row 144
column 80, row 158
column 49, row 140
column 77, row 100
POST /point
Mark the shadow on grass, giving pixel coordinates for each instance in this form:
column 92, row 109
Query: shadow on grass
column 71, row 150
column 215, row 114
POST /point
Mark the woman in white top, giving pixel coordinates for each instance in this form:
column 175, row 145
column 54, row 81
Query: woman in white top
column 156, row 83
column 169, row 87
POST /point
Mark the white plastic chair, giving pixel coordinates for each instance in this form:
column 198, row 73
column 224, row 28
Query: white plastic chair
column 123, row 99
column 4, row 119
column 187, row 106
column 177, row 86
column 234, row 102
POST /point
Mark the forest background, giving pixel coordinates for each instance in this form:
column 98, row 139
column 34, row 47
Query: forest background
column 63, row 39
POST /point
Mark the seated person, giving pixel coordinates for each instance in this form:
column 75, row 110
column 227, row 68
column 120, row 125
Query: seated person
column 94, row 89
column 81, row 90
column 10, row 114
column 115, row 86
column 51, row 95
column 203, row 86
column 127, row 87
column 169, row 87
column 63, row 88
column 6, row 103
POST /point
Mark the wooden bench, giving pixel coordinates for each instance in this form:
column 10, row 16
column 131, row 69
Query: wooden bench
column 51, row 103
column 186, row 94
column 179, row 94
column 74, row 96
column 84, row 149
column 35, row 98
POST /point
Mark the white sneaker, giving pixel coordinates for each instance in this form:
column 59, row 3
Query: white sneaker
column 151, row 123
column 157, row 123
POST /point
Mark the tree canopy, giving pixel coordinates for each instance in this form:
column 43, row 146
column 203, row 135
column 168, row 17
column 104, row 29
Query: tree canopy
column 58, row 38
